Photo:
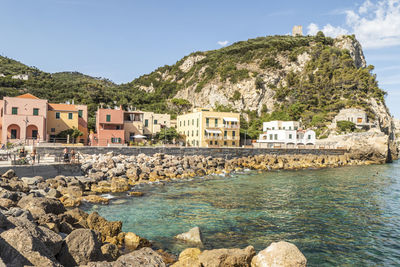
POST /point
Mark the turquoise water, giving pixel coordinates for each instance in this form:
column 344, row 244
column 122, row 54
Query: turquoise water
column 346, row 216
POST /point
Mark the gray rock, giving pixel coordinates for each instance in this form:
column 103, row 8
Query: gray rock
column 193, row 236
column 19, row 248
column 39, row 206
column 145, row 257
column 32, row 180
column 18, row 212
column 80, row 247
column 280, row 254
column 9, row 174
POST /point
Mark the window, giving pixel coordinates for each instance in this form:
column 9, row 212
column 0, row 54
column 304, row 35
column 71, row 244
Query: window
column 273, row 128
column 216, row 122
column 108, row 118
column 14, row 111
column 276, row 136
column 155, row 121
column 225, row 143
column 233, row 143
column 53, row 130
column 283, row 127
column 13, row 134
column 215, row 142
column 290, row 136
column 192, row 132
column 295, row 128
column 197, row 122
column 80, row 113
column 116, row 140
column 290, row 127
column 146, row 123
column 309, row 136
column 197, row 143
column 35, row 112
column 188, row 122
column 187, row 133
column 210, row 142
column 180, row 123
column 225, row 134
column 57, row 115
column 270, row 137
column 192, row 122
column 197, row 133
column 233, row 134
column 207, row 122
column 118, row 127
column 184, row 123
column 70, row 115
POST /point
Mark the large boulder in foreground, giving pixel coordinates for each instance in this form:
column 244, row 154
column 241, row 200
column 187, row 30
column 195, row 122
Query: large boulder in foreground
column 40, row 206
column 192, row 236
column 227, row 257
column 18, row 247
column 280, row 254
column 81, row 246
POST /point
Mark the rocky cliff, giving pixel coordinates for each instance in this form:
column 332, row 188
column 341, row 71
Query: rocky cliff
column 306, row 78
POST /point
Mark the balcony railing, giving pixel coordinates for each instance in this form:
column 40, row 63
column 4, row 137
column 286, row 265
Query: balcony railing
column 226, row 126
column 213, row 137
column 231, row 138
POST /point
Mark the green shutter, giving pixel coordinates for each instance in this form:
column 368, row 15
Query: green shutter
column 57, row 115
column 35, row 112
column 70, row 116
column 146, row 123
column 80, row 113
column 14, row 111
column 108, row 118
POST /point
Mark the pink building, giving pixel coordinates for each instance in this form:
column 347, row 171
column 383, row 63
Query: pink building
column 23, row 118
column 109, row 127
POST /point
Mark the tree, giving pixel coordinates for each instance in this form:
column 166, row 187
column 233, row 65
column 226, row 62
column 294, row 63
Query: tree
column 72, row 133
column 346, row 126
column 168, row 134
column 181, row 104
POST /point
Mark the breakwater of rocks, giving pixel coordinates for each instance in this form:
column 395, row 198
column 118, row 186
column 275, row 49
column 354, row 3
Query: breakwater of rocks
column 37, row 229
column 41, row 225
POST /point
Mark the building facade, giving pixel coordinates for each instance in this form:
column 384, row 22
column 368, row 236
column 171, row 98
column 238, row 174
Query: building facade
column 355, row 115
column 288, row 133
column 23, row 118
column 62, row 117
column 207, row 128
column 118, row 127
column 28, row 119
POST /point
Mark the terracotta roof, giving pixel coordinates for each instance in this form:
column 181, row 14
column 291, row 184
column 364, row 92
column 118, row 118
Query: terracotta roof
column 62, row 107
column 27, row 96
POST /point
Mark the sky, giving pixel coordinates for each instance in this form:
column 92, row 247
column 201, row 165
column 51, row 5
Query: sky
column 124, row 39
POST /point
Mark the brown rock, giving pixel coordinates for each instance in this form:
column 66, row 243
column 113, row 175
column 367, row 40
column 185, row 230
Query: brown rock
column 95, row 199
column 188, row 258
column 227, row 257
column 106, row 228
column 133, row 241
column 6, row 203
column 119, row 185
column 110, row 252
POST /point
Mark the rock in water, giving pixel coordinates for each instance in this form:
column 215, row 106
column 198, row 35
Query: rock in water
column 106, row 228
column 193, row 236
column 280, row 254
column 80, row 247
column 133, row 241
column 227, row 257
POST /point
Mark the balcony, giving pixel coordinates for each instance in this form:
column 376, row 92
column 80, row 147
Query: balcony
column 213, row 137
column 228, row 126
column 233, row 138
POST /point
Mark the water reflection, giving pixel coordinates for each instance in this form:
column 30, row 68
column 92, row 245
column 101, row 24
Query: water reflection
column 343, row 216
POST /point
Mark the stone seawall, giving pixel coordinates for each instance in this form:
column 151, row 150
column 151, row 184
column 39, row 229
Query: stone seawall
column 226, row 153
column 45, row 171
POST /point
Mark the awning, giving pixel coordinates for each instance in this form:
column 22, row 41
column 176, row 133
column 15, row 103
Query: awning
column 214, row 131
column 231, row 119
column 139, row 136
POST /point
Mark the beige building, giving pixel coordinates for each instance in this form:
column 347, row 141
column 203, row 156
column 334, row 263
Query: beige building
column 207, row 128
column 154, row 122
column 297, row 30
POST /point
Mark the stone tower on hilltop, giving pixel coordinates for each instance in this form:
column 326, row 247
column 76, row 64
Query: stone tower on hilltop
column 297, row 30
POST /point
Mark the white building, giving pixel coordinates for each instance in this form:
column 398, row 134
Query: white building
column 24, row 77
column 287, row 133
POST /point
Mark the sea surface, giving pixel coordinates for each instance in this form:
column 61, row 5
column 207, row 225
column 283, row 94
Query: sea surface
column 347, row 216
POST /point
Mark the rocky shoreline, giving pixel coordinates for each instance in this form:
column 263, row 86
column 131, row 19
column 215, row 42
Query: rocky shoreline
column 41, row 226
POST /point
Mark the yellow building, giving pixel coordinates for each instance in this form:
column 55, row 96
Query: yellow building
column 207, row 128
column 61, row 117
column 154, row 122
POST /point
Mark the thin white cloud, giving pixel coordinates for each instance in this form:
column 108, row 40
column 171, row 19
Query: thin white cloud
column 222, row 43
column 375, row 24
